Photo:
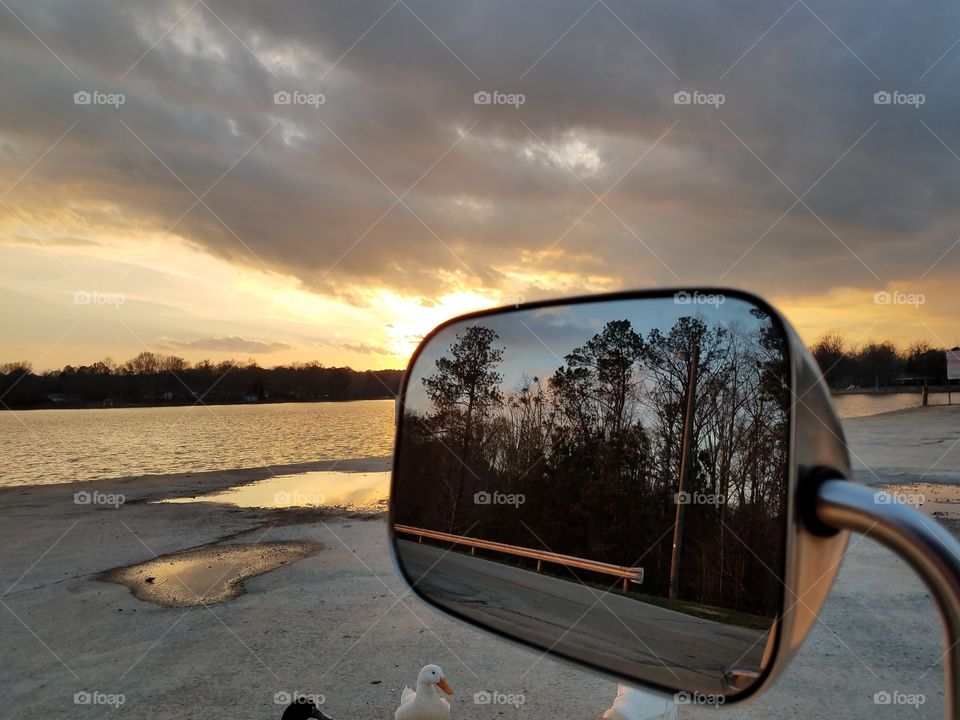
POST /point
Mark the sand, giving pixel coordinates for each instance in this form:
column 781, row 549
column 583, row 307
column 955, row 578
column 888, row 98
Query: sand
column 339, row 625
column 906, row 445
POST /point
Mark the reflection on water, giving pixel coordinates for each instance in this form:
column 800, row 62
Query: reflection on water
column 862, row 404
column 206, row 575
column 41, row 447
column 355, row 490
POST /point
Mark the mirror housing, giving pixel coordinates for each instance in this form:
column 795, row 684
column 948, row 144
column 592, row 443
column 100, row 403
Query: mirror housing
column 811, row 551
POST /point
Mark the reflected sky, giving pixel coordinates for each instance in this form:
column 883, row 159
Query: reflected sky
column 536, row 341
column 355, row 490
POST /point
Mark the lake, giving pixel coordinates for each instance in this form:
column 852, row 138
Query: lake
column 58, row 446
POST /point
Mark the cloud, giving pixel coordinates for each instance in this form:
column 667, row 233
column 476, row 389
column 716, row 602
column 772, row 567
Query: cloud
column 797, row 182
column 233, row 344
column 365, row 349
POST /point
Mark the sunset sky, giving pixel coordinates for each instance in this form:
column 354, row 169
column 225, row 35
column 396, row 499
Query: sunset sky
column 157, row 192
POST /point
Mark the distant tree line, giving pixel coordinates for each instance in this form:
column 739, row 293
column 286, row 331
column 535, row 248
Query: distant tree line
column 155, row 379
column 879, row 365
column 595, row 452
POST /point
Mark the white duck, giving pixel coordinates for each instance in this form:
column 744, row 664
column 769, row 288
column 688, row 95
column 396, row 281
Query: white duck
column 634, row 704
column 426, row 703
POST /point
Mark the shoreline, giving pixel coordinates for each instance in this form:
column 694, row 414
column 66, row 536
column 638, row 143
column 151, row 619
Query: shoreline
column 176, row 484
column 917, row 444
column 936, row 407
column 187, row 403
column 901, row 390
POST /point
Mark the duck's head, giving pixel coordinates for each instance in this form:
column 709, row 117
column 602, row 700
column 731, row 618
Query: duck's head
column 303, row 708
column 433, row 675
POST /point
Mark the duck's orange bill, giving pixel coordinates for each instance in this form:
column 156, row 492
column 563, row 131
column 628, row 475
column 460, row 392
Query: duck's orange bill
column 445, row 686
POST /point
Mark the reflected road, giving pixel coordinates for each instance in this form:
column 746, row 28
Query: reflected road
column 610, row 630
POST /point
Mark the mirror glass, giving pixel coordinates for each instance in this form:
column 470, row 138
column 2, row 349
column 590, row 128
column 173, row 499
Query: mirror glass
column 606, row 480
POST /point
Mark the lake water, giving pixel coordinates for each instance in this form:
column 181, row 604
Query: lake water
column 58, row 446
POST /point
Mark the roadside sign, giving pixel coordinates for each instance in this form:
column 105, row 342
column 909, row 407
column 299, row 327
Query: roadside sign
column 953, row 365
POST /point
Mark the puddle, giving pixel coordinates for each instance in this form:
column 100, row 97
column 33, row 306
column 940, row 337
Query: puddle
column 206, row 575
column 937, row 499
column 355, row 490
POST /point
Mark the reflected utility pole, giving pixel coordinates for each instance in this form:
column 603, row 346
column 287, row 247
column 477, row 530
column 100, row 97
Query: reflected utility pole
column 686, row 462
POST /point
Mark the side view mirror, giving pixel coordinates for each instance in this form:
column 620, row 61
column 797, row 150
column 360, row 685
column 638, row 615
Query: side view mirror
column 649, row 484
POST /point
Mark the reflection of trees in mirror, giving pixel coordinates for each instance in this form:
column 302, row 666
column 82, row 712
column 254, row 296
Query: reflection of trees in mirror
column 464, row 390
column 589, row 460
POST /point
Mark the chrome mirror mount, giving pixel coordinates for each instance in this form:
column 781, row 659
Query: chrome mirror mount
column 926, row 546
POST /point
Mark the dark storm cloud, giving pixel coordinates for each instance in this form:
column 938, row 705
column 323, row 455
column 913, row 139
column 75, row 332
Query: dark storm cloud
column 312, row 190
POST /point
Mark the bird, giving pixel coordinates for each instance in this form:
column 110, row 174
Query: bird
column 426, row 703
column 303, row 708
column 634, row 704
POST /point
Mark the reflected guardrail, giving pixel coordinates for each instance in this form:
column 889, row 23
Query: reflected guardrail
column 632, row 575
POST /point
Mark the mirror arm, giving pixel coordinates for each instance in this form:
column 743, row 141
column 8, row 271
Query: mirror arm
column 926, row 545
